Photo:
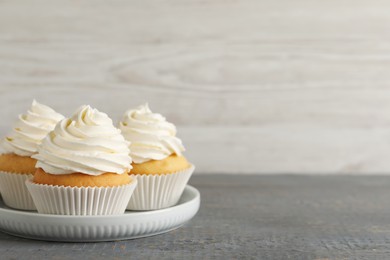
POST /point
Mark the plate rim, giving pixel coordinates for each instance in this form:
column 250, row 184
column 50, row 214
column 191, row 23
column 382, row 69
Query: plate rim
column 90, row 241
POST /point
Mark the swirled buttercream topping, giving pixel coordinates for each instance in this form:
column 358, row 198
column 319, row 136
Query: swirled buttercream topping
column 151, row 137
column 30, row 129
column 87, row 143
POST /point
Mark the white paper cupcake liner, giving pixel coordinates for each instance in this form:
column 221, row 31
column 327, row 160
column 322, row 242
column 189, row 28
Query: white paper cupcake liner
column 14, row 191
column 158, row 191
column 81, row 201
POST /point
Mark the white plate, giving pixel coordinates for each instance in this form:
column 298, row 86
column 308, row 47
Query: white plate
column 130, row 225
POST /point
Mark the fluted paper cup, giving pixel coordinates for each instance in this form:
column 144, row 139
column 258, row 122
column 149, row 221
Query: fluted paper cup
column 156, row 191
column 14, row 191
column 80, row 201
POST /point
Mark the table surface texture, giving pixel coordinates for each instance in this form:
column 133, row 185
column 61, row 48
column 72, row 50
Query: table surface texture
column 262, row 217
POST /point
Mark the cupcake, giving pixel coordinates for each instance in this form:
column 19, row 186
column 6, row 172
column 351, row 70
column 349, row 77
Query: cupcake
column 82, row 168
column 158, row 164
column 16, row 164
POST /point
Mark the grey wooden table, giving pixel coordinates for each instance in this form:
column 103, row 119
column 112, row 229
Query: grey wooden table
column 265, row 217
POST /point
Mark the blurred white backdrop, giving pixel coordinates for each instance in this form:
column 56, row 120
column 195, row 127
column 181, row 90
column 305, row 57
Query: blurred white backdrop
column 253, row 86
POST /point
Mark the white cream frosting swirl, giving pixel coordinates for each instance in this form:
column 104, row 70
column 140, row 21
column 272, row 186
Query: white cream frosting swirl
column 151, row 137
column 30, row 129
column 87, row 143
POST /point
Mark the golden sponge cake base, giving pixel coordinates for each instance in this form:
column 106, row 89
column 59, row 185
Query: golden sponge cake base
column 10, row 162
column 81, row 180
column 170, row 164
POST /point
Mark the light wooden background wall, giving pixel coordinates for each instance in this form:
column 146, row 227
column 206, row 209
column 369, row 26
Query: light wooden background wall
column 254, row 86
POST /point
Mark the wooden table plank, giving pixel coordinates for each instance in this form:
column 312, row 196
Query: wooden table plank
column 272, row 217
column 304, row 80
